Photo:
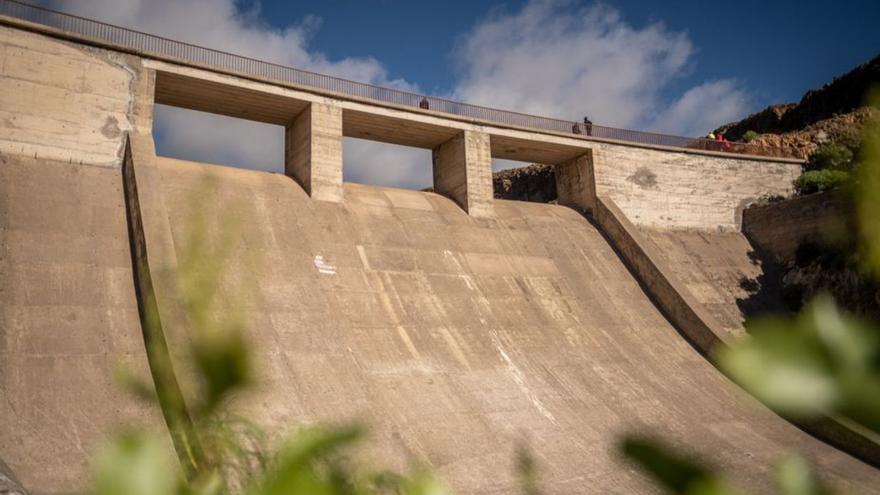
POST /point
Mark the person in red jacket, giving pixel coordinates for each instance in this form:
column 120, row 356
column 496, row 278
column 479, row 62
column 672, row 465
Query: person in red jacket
column 724, row 142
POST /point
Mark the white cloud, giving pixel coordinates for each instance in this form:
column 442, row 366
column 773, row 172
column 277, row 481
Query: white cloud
column 206, row 137
column 702, row 108
column 557, row 59
column 387, row 164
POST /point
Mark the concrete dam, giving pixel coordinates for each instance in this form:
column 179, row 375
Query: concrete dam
column 455, row 325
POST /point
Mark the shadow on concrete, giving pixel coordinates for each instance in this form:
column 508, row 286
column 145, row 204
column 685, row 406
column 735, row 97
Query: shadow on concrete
column 766, row 292
column 9, row 485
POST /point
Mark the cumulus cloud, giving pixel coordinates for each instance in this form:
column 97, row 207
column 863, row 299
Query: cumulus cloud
column 210, row 138
column 702, row 108
column 556, row 58
column 550, row 57
column 387, row 165
column 224, row 25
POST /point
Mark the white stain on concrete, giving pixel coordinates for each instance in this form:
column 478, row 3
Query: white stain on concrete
column 324, row 267
column 407, row 341
column 520, row 379
column 462, row 274
column 363, row 254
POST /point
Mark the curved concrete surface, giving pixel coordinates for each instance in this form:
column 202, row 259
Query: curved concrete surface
column 457, row 337
column 68, row 319
column 717, row 267
column 454, row 337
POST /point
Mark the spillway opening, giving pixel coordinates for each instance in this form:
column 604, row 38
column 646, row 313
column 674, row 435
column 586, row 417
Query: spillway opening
column 523, row 181
column 389, row 165
column 212, row 138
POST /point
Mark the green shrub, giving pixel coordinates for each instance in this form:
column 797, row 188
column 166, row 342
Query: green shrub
column 813, row 181
column 750, row 136
column 833, row 156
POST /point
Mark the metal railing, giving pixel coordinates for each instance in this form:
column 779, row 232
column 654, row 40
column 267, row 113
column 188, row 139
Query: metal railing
column 156, row 46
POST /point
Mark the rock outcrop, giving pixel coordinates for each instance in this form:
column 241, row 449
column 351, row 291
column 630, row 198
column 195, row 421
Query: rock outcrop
column 535, row 183
column 841, row 96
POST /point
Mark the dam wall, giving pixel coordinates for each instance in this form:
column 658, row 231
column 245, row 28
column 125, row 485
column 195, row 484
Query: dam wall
column 653, row 185
column 681, row 189
column 68, row 102
column 455, row 334
column 399, row 309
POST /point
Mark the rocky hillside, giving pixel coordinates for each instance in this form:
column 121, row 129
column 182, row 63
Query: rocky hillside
column 833, row 113
column 535, row 183
column 842, row 95
column 843, row 128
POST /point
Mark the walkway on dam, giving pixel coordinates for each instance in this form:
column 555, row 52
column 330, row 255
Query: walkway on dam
column 454, row 337
column 90, row 31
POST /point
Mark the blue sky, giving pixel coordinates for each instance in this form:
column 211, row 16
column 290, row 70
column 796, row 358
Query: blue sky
column 667, row 66
column 776, row 49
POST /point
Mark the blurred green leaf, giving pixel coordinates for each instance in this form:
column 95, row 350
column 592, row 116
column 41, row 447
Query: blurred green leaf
column 674, row 472
column 527, row 470
column 223, row 360
column 424, row 483
column 796, row 478
column 868, row 188
column 210, row 484
column 823, row 362
column 783, row 367
column 134, row 464
column 298, row 468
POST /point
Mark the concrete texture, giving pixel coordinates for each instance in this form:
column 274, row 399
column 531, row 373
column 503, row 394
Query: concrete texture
column 456, row 337
column 658, row 279
column 65, row 102
column 708, row 284
column 718, row 268
column 683, row 190
column 576, row 183
column 313, row 151
column 9, row 485
column 462, row 170
column 68, row 319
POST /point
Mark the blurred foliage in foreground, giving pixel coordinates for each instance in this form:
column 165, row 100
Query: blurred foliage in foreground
column 821, row 363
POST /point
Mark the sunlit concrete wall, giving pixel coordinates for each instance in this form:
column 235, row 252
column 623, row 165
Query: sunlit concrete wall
column 660, row 188
column 67, row 102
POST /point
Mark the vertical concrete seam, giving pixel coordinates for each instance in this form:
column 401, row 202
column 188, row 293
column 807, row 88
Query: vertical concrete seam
column 168, row 392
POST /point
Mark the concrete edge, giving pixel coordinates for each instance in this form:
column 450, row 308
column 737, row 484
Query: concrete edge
column 673, row 299
column 691, row 319
column 171, row 400
column 9, row 484
column 86, row 40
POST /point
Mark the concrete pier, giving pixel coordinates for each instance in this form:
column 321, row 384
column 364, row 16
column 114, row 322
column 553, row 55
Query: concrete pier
column 463, row 172
column 313, row 151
